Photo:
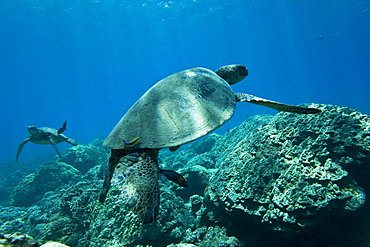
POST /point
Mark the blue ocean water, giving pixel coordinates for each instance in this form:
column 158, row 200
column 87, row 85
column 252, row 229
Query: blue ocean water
column 88, row 61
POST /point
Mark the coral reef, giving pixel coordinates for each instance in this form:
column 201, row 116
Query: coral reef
column 284, row 180
column 17, row 240
column 84, row 157
column 63, row 215
column 47, row 177
column 294, row 170
column 11, row 173
column 211, row 236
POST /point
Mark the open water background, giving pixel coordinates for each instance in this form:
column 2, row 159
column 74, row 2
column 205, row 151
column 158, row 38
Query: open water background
column 88, row 61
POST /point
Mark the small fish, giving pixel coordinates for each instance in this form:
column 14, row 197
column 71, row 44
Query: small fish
column 174, row 177
column 321, row 37
column 131, row 142
column 64, row 127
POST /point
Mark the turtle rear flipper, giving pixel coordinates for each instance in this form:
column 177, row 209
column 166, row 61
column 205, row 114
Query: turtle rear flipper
column 71, row 141
column 136, row 176
column 20, row 148
column 64, row 128
column 243, row 97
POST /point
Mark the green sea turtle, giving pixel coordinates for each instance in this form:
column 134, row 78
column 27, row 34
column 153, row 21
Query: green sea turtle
column 46, row 136
column 178, row 109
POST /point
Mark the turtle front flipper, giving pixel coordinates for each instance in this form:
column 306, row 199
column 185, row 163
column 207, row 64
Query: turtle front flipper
column 52, row 142
column 136, row 176
column 114, row 159
column 243, row 97
column 20, row 148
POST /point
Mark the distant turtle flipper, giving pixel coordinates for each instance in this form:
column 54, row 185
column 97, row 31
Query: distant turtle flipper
column 136, row 176
column 20, row 148
column 71, row 141
column 52, row 142
column 64, row 127
column 243, row 97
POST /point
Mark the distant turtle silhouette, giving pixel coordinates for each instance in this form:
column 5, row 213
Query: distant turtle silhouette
column 178, row 109
column 46, row 136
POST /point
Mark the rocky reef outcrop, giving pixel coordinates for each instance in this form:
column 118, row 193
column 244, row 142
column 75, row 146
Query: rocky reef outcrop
column 283, row 180
column 293, row 170
column 47, row 177
column 85, row 157
column 11, row 173
column 19, row 239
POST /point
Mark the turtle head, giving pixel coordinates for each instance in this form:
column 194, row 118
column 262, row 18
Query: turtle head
column 233, row 73
column 32, row 130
